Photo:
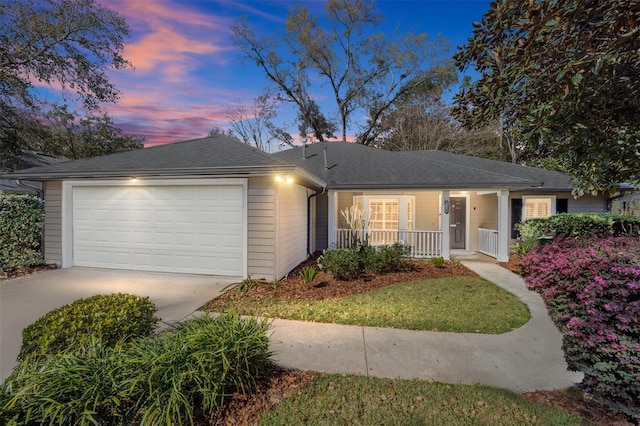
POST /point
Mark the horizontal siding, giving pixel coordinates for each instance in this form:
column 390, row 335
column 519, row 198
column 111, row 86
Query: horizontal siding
column 587, row 204
column 292, row 227
column 53, row 222
column 261, row 228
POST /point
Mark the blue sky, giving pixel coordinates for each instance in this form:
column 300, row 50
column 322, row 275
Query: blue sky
column 188, row 72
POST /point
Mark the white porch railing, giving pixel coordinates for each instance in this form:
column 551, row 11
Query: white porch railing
column 488, row 242
column 422, row 243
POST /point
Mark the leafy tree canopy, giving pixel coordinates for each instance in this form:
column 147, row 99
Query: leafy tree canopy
column 65, row 44
column 365, row 71
column 566, row 76
column 66, row 134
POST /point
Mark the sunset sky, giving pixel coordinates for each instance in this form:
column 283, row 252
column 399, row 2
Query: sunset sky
column 188, row 72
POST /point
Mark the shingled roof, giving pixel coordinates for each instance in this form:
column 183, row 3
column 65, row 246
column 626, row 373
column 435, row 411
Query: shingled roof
column 340, row 165
column 355, row 166
column 217, row 155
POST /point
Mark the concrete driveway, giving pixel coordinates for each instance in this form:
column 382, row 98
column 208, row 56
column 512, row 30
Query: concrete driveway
column 24, row 300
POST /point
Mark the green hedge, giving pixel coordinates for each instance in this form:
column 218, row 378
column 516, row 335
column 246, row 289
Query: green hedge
column 570, row 225
column 108, row 318
column 21, row 225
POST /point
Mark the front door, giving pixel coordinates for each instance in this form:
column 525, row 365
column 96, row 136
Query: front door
column 458, row 221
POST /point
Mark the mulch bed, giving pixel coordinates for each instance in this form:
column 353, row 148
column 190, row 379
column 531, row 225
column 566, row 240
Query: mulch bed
column 28, row 270
column 324, row 286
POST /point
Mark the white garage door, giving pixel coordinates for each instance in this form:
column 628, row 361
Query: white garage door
column 190, row 229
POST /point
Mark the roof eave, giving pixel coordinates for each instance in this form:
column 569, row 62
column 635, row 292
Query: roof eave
column 462, row 187
column 208, row 171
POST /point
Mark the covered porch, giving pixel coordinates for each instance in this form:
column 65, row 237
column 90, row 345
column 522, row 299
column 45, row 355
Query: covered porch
column 431, row 222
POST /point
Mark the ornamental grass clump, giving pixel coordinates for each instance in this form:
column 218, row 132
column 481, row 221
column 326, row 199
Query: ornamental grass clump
column 592, row 290
column 169, row 379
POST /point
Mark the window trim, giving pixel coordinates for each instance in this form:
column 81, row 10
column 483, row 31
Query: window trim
column 403, row 208
column 551, row 198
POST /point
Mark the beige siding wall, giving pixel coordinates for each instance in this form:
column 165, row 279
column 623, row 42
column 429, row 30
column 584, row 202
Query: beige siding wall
column 261, row 228
column 53, row 222
column 427, row 211
column 483, row 213
column 292, row 227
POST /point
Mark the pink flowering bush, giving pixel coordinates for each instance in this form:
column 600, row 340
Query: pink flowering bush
column 592, row 290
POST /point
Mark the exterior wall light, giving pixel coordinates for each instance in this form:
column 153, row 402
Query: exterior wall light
column 284, row 178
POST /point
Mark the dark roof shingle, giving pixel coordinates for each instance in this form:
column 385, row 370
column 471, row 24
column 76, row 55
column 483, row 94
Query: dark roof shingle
column 352, row 166
column 211, row 155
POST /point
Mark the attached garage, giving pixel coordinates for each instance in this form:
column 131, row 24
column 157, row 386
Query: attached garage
column 171, row 226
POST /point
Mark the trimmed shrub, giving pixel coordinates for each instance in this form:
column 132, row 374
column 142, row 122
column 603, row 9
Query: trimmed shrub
column 350, row 263
column 566, row 225
column 159, row 380
column 343, row 264
column 21, row 225
column 386, row 259
column 592, row 290
column 107, row 318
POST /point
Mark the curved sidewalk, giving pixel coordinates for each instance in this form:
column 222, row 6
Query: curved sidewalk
column 529, row 358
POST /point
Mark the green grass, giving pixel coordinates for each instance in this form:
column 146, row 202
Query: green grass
column 356, row 400
column 457, row 304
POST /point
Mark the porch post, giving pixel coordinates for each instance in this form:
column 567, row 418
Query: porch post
column 503, row 226
column 332, row 198
column 445, row 209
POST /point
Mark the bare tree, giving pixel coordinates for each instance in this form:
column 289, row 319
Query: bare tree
column 253, row 123
column 365, row 73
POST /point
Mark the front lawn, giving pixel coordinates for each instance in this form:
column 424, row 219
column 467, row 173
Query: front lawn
column 460, row 303
column 457, row 304
column 338, row 399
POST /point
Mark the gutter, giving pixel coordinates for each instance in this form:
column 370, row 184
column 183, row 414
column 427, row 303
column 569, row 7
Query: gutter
column 228, row 170
column 324, row 190
column 39, row 192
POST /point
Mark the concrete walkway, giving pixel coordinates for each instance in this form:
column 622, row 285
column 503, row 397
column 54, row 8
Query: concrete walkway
column 24, row 300
column 529, row 358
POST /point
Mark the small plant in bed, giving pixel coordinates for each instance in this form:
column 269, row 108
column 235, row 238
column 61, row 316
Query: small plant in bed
column 308, row 273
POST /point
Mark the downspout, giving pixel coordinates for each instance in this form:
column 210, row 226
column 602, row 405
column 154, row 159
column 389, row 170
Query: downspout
column 324, row 189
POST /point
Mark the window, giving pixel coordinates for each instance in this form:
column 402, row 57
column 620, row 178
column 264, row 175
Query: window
column 537, row 207
column 383, row 214
column 387, row 213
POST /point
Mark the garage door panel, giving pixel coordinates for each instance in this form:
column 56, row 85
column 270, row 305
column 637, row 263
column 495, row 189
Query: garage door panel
column 196, row 229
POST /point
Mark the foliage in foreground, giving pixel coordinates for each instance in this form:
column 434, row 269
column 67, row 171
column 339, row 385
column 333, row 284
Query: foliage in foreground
column 105, row 318
column 567, row 225
column 163, row 380
column 21, row 225
column 456, row 304
column 592, row 290
column 339, row 399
